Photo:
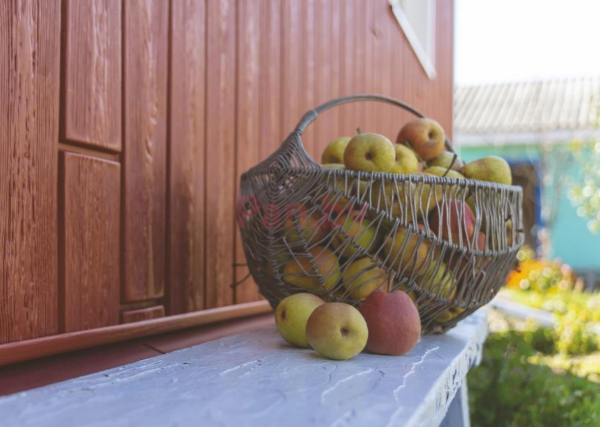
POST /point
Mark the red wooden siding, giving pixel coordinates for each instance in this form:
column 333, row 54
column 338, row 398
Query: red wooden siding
column 145, row 148
column 29, row 101
column 221, row 143
column 90, row 206
column 157, row 107
column 187, row 213
column 92, row 72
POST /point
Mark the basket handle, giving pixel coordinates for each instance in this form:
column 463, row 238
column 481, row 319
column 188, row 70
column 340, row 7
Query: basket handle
column 311, row 115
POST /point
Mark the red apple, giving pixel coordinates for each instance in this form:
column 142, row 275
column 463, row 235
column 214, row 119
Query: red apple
column 454, row 219
column 425, row 136
column 393, row 321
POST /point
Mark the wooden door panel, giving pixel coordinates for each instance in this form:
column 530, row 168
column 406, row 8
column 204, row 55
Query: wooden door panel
column 187, row 169
column 92, row 73
column 221, row 156
column 89, row 239
column 145, row 148
column 149, row 313
column 29, row 101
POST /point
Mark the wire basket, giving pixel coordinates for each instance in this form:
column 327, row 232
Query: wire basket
column 340, row 234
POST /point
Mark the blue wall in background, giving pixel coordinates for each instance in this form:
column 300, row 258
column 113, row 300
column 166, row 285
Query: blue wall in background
column 571, row 240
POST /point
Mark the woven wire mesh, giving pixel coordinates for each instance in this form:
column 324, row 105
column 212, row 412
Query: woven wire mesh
column 340, row 234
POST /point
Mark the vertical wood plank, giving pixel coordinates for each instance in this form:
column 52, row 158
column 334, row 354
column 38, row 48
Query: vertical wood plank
column 307, row 66
column 92, row 73
column 29, row 102
column 90, row 215
column 248, row 125
column 291, row 29
column 149, row 313
column 144, row 151
column 220, row 162
column 258, row 103
column 187, row 164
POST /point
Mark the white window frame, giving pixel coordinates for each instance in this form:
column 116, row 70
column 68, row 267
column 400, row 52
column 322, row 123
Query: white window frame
column 425, row 54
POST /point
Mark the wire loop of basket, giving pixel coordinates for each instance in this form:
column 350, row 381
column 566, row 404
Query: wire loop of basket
column 340, row 234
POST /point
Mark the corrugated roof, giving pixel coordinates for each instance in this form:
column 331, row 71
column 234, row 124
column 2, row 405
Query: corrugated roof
column 527, row 106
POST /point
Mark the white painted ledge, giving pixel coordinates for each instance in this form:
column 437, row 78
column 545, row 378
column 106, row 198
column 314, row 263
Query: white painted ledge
column 254, row 379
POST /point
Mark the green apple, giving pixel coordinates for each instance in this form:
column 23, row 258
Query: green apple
column 406, row 160
column 370, row 152
column 291, row 316
column 363, row 277
column 334, row 152
column 337, row 331
column 309, row 270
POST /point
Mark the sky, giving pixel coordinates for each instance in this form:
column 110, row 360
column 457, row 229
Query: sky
column 508, row 40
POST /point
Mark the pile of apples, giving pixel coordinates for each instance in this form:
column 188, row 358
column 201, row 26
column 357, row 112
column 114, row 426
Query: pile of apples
column 386, row 322
column 419, row 150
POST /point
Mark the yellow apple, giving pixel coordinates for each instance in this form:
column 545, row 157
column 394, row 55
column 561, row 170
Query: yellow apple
column 443, row 172
column 307, row 227
column 445, row 159
column 490, row 168
column 448, row 314
column 363, row 277
column 370, row 152
column 407, row 258
column 406, row 160
column 337, row 331
column 333, row 166
column 353, row 230
column 439, row 281
column 406, row 200
column 300, row 272
column 334, row 152
column 291, row 316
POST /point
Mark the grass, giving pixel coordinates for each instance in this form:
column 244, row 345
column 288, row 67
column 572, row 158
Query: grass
column 525, row 381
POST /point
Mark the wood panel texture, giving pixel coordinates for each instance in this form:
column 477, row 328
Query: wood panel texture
column 258, row 125
column 221, row 139
column 29, row 103
column 187, row 168
column 89, row 237
column 91, row 69
column 145, row 149
column 184, row 96
column 149, row 313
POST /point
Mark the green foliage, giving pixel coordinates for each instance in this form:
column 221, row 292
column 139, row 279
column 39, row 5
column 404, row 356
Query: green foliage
column 577, row 315
column 508, row 391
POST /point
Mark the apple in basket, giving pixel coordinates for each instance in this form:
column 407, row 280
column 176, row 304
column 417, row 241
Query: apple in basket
column 317, row 269
column 370, row 152
column 425, row 136
column 454, row 222
column 334, row 152
column 447, row 160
